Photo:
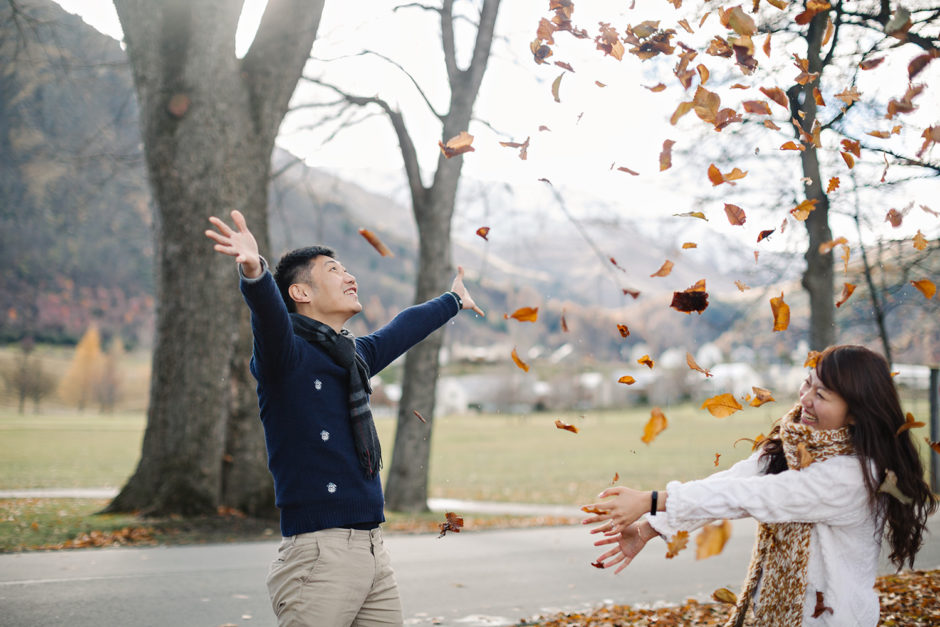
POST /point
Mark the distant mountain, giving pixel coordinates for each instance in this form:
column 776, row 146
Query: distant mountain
column 76, row 215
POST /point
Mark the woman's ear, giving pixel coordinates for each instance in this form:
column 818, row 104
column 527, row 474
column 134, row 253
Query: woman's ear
column 299, row 292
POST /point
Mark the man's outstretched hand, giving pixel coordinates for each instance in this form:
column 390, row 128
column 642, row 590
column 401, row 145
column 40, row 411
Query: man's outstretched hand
column 240, row 244
column 461, row 291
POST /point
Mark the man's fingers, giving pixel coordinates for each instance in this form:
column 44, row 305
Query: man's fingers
column 479, row 311
column 239, row 220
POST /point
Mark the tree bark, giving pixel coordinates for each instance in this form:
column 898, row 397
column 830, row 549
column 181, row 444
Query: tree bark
column 208, row 123
column 433, row 208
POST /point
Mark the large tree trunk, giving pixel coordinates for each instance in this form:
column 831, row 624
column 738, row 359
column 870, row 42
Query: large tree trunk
column 818, row 278
column 208, row 122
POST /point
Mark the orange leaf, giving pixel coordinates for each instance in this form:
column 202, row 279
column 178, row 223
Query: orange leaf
column 833, row 185
column 656, row 88
column 664, row 270
column 910, row 423
column 805, row 457
column 761, row 396
column 920, row 242
column 694, row 366
column 656, row 424
column 686, row 245
column 678, row 542
column 849, row 95
column 847, row 289
column 717, row 457
column 722, row 406
column 933, row 445
column 377, row 244
column 590, row 509
column 742, row 285
column 811, row 358
column 483, row 231
column 615, row 478
column 849, row 159
column 777, row 95
column 735, row 214
column 681, row 110
column 524, row 314
column 519, row 362
column 420, row 417
column 646, row 361
column 453, row 523
column 711, row 539
column 802, row 210
column 457, row 145
column 691, row 214
column 665, row 156
column 626, row 380
column 793, row 146
column 825, row 247
column 624, row 331
column 717, row 177
column 926, row 287
column 781, row 312
column 759, row 107
column 561, row 424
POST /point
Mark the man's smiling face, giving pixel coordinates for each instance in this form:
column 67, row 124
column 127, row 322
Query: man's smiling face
column 335, row 294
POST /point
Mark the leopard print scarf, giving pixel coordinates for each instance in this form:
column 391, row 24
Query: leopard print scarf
column 781, row 553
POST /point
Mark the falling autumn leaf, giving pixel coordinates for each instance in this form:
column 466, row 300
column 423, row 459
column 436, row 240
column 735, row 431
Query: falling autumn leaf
column 524, row 314
column 736, row 215
column 457, row 145
column 910, row 423
column 693, row 299
column 556, row 85
column 871, row 64
column 564, row 322
column 561, row 424
column 519, row 362
column 628, row 171
column 777, row 95
column 523, row 147
column 717, row 177
column 624, row 330
column 687, row 245
column 895, row 217
column 781, row 312
column 742, row 286
column 691, row 214
column 722, row 406
column 626, row 380
column 757, row 107
column 646, row 361
column 420, row 417
column 694, row 366
column 615, row 478
column 933, row 445
column 593, row 509
column 723, row 595
column 453, row 523
column 847, row 289
column 926, row 287
column 802, row 210
column 821, row 607
column 656, row 424
column 761, row 396
column 811, row 358
column 665, row 156
column 833, row 184
column 717, row 457
column 664, row 270
column 792, row 146
column 920, row 242
column 711, row 539
column 678, row 542
column 764, row 235
column 656, row 88
column 483, row 231
column 890, row 486
column 825, row 247
column 377, row 244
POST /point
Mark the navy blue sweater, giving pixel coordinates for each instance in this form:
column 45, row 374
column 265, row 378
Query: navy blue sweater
column 303, row 398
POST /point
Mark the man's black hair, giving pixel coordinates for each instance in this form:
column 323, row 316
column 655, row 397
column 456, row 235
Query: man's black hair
column 292, row 267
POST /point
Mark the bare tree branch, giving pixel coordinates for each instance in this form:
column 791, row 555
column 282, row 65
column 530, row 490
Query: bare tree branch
column 414, row 82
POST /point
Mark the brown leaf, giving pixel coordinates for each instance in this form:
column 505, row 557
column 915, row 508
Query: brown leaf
column 764, row 235
column 926, row 287
column 742, row 285
column 453, row 523
column 777, row 95
column 564, row 322
column 656, row 88
column 664, row 270
column 820, row 608
column 717, row 457
column 920, row 242
column 761, row 396
column 759, row 107
column 457, row 145
column 420, row 417
column 483, row 231
column 656, row 424
column 717, row 177
column 519, row 362
column 711, row 539
column 377, row 244
column 628, row 171
column 802, row 210
column 693, row 299
column 722, row 405
column 833, row 184
column 524, row 314
column 825, row 247
column 646, row 361
column 681, row 110
column 615, row 478
column 556, row 85
column 626, row 380
column 694, row 366
column 678, row 542
column 565, row 66
column 561, row 424
column 691, row 214
column 871, row 64
column 665, row 156
column 723, row 595
column 781, row 312
column 847, row 289
column 895, row 217
column 523, row 147
column 910, row 423
column 624, row 330
column 736, row 215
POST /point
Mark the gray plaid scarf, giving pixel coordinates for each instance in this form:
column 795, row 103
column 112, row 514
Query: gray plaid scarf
column 341, row 347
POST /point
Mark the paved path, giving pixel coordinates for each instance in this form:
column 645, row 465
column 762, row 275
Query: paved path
column 474, row 578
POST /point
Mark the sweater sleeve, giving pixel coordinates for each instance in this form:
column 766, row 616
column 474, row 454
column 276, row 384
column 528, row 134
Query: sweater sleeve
column 270, row 323
column 409, row 327
column 831, row 491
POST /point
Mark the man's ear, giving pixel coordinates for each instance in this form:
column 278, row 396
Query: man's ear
column 299, row 292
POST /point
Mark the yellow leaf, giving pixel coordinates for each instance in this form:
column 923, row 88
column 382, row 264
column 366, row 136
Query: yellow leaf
column 722, row 406
column 723, row 595
column 761, row 396
column 626, row 380
column 711, row 539
column 556, row 84
column 656, row 424
column 781, row 312
column 646, row 361
column 678, row 542
column 694, row 366
column 920, row 242
column 664, row 270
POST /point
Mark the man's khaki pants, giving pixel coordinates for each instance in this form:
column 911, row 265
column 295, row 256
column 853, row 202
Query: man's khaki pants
column 334, row 578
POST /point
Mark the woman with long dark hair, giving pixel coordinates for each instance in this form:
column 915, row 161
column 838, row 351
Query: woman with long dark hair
column 836, row 475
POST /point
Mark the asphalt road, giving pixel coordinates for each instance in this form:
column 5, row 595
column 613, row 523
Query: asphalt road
column 467, row 579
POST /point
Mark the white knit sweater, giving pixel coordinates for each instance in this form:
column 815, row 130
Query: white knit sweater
column 845, row 540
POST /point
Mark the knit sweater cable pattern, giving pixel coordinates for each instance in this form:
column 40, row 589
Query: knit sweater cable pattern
column 303, row 401
column 845, row 541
